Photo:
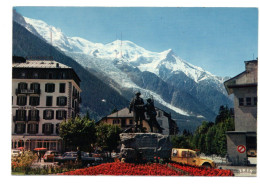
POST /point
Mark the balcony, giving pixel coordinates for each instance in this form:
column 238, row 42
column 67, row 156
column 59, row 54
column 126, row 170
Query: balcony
column 34, row 118
column 27, row 91
column 19, row 118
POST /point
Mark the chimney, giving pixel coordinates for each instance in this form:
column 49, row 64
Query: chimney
column 57, row 65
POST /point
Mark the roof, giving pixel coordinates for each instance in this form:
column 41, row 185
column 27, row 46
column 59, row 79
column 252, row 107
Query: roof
column 40, row 64
column 122, row 113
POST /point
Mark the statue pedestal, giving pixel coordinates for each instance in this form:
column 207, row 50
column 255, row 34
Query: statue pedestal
column 144, row 146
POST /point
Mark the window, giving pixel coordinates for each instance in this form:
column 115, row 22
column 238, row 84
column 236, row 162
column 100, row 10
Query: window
column 35, row 87
column 50, row 76
column 33, row 115
column 48, row 114
column 62, row 87
column 174, row 152
column 49, row 87
column 248, row 101
column 32, row 128
column 21, row 100
column 22, row 86
column 131, row 122
column 116, row 121
column 255, row 101
column 23, row 74
column 20, row 115
column 48, row 100
column 47, row 128
column 61, row 101
column 34, row 101
column 19, row 128
column 35, row 75
column 184, row 154
column 191, row 155
column 57, row 128
column 63, row 75
column 61, row 114
column 241, row 101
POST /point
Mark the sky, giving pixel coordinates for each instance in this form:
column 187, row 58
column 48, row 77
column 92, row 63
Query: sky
column 217, row 39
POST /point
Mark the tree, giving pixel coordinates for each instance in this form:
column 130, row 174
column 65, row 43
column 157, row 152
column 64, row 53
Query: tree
column 78, row 132
column 108, row 136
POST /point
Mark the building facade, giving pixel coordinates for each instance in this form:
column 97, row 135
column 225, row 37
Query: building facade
column 44, row 93
column 125, row 119
column 241, row 143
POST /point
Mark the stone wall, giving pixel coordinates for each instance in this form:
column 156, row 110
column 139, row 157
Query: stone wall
column 146, row 146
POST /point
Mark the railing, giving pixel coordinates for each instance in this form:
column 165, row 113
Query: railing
column 28, row 91
column 19, row 118
column 34, row 118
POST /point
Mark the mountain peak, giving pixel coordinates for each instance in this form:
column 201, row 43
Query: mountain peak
column 170, row 56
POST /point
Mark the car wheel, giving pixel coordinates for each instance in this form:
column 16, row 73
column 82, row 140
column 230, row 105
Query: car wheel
column 206, row 165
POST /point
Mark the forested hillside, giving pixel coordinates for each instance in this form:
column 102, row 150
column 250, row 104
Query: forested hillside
column 26, row 44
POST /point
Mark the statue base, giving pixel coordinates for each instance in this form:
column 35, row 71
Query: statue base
column 137, row 147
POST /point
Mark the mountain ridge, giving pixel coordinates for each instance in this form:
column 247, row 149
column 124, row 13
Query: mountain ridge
column 173, row 83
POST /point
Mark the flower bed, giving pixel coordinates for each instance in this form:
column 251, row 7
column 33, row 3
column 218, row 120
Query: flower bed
column 154, row 169
column 118, row 168
column 201, row 171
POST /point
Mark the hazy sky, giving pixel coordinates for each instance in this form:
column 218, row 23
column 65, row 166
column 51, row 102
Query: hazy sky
column 217, row 39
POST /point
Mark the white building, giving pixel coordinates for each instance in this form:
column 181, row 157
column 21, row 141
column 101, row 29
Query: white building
column 44, row 93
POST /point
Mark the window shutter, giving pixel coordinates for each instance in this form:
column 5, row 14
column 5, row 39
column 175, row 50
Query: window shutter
column 57, row 114
column 37, row 128
column 30, row 114
column 46, row 87
column 38, row 101
column 24, row 128
column 43, row 128
column 37, row 114
column 28, row 128
column 58, row 101
column 30, row 101
column 52, row 114
column 65, row 100
column 65, row 114
column 57, row 128
column 15, row 128
column 44, row 114
column 52, row 128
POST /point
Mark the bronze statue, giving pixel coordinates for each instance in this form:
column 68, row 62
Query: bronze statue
column 137, row 106
column 151, row 114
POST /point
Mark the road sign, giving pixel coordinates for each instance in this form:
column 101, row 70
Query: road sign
column 241, row 148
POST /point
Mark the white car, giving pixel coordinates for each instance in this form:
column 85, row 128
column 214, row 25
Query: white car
column 15, row 152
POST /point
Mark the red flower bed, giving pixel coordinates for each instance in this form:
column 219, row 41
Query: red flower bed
column 201, row 171
column 118, row 168
column 154, row 169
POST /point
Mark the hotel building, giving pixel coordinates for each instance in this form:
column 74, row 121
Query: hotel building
column 44, row 93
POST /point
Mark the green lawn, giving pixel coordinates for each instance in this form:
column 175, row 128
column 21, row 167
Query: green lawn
column 17, row 173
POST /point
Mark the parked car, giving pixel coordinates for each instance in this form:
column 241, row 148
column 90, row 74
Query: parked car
column 188, row 156
column 15, row 152
column 72, row 156
column 252, row 153
column 49, row 155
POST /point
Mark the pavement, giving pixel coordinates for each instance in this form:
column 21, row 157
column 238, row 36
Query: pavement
column 42, row 164
column 241, row 171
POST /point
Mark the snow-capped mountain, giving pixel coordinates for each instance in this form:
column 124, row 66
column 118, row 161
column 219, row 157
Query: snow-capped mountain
column 174, row 83
column 126, row 50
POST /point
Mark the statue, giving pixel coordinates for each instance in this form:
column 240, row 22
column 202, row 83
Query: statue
column 151, row 114
column 137, row 106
